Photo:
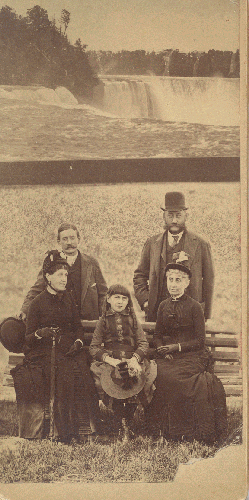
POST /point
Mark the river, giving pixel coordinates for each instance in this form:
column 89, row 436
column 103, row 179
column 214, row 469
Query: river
column 130, row 117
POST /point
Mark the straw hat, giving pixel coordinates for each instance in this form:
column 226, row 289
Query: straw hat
column 118, row 386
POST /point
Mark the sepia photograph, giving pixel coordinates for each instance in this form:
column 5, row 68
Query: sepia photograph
column 108, row 79
column 122, row 342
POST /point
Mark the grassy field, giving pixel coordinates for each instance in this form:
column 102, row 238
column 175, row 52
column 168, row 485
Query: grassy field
column 114, row 222
column 138, row 459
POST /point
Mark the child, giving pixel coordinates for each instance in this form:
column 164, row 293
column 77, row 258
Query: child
column 119, row 338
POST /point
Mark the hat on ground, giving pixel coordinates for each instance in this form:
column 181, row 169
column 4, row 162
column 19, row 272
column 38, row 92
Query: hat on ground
column 174, row 201
column 12, row 334
column 115, row 385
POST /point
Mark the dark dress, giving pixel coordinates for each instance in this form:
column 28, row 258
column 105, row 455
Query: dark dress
column 75, row 408
column 189, row 400
column 119, row 336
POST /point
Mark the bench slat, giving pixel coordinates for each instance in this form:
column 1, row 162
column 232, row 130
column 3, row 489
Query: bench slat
column 226, row 365
column 226, row 368
column 233, row 391
column 225, row 356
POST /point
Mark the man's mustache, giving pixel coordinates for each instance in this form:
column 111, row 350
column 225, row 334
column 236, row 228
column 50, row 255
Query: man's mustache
column 71, row 246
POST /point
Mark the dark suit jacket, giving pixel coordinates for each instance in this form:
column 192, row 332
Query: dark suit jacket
column 93, row 289
column 147, row 274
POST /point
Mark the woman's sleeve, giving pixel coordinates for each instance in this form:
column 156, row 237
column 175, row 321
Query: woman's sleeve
column 95, row 349
column 32, row 323
column 159, row 328
column 141, row 341
column 199, row 330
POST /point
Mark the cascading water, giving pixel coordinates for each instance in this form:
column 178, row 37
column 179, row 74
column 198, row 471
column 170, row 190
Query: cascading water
column 210, row 101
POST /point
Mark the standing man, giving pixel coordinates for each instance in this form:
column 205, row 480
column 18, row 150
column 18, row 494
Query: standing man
column 85, row 279
column 149, row 280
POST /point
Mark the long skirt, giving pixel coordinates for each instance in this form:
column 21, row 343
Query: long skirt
column 189, row 401
column 72, row 405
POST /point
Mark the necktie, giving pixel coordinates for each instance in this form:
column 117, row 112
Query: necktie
column 174, row 243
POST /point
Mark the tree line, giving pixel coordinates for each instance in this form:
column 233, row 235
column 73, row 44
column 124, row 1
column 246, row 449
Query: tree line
column 33, row 50
column 168, row 62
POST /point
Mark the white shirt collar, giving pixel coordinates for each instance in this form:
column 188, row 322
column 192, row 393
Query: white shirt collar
column 171, row 240
column 70, row 258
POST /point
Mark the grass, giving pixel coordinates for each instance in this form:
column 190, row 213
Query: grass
column 138, row 459
column 114, row 222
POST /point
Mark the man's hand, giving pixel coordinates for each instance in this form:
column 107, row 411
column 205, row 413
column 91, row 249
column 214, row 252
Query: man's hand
column 145, row 309
column 77, row 345
column 21, row 316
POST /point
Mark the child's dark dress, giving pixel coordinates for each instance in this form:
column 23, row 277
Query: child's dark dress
column 189, row 400
column 118, row 336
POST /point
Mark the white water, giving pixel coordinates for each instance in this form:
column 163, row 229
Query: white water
column 58, row 97
column 210, row 101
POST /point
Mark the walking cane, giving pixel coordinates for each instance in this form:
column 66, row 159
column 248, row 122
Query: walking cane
column 52, row 387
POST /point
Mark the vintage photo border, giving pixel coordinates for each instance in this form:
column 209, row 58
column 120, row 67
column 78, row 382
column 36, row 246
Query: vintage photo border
column 143, row 491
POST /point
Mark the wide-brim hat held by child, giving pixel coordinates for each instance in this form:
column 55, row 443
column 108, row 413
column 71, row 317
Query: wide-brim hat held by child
column 119, row 387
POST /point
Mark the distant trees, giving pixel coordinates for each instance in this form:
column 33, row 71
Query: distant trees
column 167, row 62
column 34, row 51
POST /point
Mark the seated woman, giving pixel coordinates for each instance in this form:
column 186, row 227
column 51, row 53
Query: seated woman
column 54, row 389
column 189, row 400
column 119, row 347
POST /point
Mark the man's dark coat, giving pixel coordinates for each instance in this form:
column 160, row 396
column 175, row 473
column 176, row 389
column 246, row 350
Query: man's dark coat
column 93, row 289
column 147, row 275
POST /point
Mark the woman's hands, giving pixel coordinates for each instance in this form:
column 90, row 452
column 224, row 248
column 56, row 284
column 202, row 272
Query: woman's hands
column 167, row 350
column 46, row 333
column 77, row 345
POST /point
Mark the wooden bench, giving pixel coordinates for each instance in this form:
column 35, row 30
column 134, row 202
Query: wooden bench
column 223, row 345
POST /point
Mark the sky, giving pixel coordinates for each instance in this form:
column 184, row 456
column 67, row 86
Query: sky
column 149, row 25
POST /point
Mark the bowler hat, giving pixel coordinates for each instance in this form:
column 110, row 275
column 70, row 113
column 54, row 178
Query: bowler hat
column 180, row 267
column 115, row 385
column 174, row 201
column 12, row 334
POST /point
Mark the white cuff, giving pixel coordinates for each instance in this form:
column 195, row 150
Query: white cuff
column 135, row 355
column 179, row 347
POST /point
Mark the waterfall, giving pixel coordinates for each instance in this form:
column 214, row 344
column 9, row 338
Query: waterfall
column 210, row 101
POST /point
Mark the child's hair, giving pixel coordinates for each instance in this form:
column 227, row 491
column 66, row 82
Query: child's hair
column 120, row 290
